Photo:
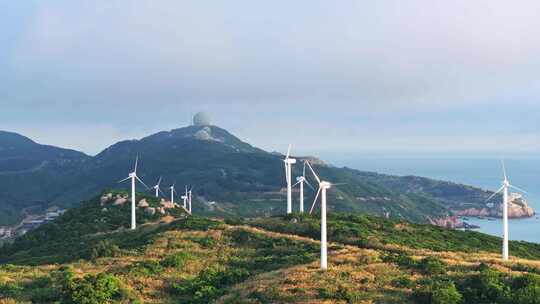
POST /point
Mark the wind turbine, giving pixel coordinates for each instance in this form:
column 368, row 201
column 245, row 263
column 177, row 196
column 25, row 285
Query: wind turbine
column 288, row 164
column 505, row 187
column 133, row 176
column 323, row 187
column 300, row 180
column 185, row 197
column 172, row 192
column 189, row 199
column 157, row 187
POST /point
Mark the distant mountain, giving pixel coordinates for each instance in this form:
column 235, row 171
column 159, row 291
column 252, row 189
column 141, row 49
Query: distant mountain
column 30, row 174
column 19, row 154
column 229, row 176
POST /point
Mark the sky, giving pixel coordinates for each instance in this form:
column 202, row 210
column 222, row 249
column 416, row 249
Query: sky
column 348, row 77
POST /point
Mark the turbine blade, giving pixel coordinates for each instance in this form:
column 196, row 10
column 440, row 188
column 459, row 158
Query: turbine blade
column 313, row 171
column 309, row 184
column 304, row 170
column 288, row 152
column 519, row 189
column 339, row 184
column 504, row 170
column 159, row 181
column 295, row 184
column 125, row 179
column 141, row 182
column 162, row 192
column 136, row 163
column 493, row 195
column 315, row 200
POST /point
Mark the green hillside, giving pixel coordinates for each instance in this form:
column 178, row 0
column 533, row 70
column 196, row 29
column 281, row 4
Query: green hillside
column 230, row 177
column 29, row 172
column 88, row 256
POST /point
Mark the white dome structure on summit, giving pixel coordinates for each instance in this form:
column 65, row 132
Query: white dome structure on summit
column 201, row 119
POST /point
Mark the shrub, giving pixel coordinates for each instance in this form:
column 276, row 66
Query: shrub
column 526, row 289
column 104, row 248
column 401, row 259
column 146, row 268
column 10, row 290
column 341, row 293
column 445, row 292
column 438, row 292
column 205, row 242
column 209, row 284
column 41, row 290
column 176, row 260
column 486, row 287
column 234, row 221
column 91, row 289
column 403, row 282
column 432, row 266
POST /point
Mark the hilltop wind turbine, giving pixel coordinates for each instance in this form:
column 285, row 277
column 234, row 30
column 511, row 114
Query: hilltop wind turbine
column 133, row 176
column 157, row 187
column 185, row 197
column 505, row 187
column 323, row 187
column 288, row 164
column 172, row 192
column 300, row 180
column 189, row 199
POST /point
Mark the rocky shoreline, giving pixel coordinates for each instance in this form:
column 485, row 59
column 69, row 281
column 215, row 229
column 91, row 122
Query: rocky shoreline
column 452, row 222
column 517, row 208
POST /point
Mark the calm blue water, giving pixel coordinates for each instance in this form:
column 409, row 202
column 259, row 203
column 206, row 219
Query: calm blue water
column 484, row 173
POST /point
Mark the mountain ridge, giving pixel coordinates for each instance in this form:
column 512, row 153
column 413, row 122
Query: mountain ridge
column 236, row 177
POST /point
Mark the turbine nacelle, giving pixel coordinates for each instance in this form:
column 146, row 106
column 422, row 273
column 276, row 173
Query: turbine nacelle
column 290, row 161
column 300, row 179
column 325, row 185
column 132, row 175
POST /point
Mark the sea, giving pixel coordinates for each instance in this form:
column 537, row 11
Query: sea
column 484, row 173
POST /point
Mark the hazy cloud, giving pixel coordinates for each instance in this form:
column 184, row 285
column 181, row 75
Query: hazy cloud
column 363, row 74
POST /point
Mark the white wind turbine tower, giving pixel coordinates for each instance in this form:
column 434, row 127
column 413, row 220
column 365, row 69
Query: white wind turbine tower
column 323, row 187
column 505, row 187
column 189, row 199
column 185, row 197
column 288, row 164
column 300, row 180
column 157, row 187
column 172, row 192
column 133, row 176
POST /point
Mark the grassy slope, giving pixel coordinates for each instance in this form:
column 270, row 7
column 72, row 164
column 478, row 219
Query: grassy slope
column 374, row 232
column 266, row 260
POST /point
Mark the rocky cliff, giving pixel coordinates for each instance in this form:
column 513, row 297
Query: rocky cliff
column 517, row 208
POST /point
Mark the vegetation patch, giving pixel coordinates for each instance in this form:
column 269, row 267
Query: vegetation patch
column 376, row 233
